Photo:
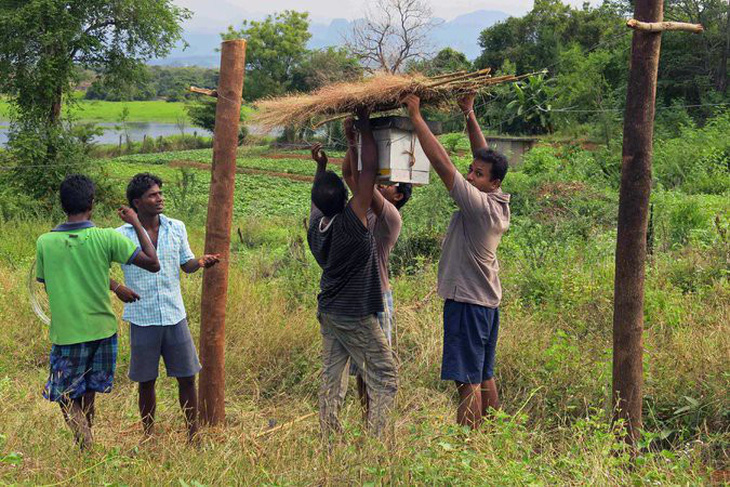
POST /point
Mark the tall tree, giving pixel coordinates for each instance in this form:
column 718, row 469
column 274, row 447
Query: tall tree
column 42, row 42
column 276, row 46
column 42, row 45
column 392, row 33
column 447, row 60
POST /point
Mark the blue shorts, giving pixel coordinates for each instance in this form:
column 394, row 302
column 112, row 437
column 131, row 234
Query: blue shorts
column 80, row 368
column 173, row 343
column 470, row 342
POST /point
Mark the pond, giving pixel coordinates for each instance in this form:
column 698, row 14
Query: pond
column 135, row 130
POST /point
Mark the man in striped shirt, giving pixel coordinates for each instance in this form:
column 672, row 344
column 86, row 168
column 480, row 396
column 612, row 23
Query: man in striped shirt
column 384, row 220
column 350, row 291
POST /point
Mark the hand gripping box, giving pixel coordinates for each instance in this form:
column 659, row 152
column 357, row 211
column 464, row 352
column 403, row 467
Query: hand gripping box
column 400, row 156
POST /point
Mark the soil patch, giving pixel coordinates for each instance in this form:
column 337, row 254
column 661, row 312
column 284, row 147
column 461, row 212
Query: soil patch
column 244, row 170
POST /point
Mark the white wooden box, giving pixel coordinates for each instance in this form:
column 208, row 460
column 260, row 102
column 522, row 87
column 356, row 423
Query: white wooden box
column 400, row 156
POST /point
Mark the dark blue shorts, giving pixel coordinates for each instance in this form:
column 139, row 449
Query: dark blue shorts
column 470, row 342
column 80, row 368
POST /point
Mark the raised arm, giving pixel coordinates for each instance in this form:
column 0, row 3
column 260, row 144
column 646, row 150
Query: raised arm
column 348, row 174
column 320, row 158
column 366, row 179
column 376, row 204
column 476, row 137
column 437, row 155
column 147, row 258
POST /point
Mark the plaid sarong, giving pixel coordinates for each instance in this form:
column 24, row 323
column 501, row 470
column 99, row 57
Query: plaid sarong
column 80, row 368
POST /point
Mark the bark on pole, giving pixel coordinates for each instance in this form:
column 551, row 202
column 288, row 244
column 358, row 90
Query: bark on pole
column 218, row 232
column 628, row 306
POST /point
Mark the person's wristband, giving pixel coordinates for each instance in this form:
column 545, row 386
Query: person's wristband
column 471, row 110
column 118, row 285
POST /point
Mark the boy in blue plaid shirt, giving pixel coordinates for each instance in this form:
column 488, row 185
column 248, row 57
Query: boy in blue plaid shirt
column 154, row 305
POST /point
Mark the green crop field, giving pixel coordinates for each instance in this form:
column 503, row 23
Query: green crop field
column 108, row 111
column 553, row 361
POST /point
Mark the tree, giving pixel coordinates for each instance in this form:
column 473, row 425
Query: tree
column 694, row 67
column 530, row 108
column 535, row 40
column 276, row 46
column 446, row 61
column 42, row 42
column 323, row 67
column 392, row 33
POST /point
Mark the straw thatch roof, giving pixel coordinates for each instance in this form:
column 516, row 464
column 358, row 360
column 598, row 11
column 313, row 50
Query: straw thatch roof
column 380, row 93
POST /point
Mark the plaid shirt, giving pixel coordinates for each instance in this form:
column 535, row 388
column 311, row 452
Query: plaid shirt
column 161, row 301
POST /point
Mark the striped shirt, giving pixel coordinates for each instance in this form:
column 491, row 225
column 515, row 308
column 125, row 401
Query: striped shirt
column 345, row 250
column 161, row 300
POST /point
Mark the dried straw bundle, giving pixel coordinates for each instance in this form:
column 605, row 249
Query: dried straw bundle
column 380, row 93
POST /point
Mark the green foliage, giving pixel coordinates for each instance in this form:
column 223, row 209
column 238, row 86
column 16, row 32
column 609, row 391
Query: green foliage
column 534, row 41
column 42, row 155
column 42, row 45
column 276, row 46
column 447, row 60
column 530, row 109
column 43, row 41
column 698, row 161
column 169, row 83
column 322, row 67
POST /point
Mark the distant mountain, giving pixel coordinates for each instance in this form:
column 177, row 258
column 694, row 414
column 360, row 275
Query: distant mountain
column 461, row 33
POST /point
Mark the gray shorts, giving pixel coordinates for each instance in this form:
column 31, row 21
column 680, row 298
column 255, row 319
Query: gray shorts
column 173, row 342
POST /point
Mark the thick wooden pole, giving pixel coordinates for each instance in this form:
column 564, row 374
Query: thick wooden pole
column 218, row 232
column 628, row 306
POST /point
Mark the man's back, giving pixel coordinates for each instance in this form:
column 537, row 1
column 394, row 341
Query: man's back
column 345, row 249
column 73, row 261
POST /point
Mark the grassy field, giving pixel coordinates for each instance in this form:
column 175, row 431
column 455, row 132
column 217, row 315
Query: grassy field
column 107, row 111
column 554, row 354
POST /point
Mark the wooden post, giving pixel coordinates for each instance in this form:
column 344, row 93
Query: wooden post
column 633, row 211
column 218, row 232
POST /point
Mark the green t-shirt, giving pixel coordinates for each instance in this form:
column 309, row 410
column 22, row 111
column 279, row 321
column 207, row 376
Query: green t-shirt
column 73, row 261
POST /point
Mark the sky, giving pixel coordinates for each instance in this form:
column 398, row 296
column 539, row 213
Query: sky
column 216, row 15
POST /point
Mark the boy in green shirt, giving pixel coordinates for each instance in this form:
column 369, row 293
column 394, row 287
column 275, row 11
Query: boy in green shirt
column 73, row 262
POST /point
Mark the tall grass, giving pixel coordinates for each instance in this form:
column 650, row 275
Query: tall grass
column 553, row 363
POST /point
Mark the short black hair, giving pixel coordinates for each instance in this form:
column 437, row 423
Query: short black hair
column 77, row 194
column 139, row 184
column 329, row 194
column 405, row 189
column 499, row 162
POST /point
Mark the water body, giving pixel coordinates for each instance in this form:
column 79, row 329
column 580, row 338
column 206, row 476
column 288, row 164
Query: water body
column 135, row 130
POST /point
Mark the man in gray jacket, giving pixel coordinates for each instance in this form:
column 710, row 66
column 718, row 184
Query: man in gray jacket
column 468, row 270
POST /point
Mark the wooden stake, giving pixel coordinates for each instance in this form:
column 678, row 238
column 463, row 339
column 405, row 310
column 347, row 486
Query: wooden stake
column 633, row 212
column 286, row 425
column 662, row 26
column 218, row 232
column 203, row 91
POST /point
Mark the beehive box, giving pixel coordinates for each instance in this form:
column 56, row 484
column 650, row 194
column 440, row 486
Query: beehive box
column 400, row 156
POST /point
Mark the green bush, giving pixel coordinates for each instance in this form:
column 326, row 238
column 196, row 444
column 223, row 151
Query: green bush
column 540, row 161
column 698, row 161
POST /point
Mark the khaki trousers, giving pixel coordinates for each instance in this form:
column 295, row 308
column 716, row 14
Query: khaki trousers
column 362, row 340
